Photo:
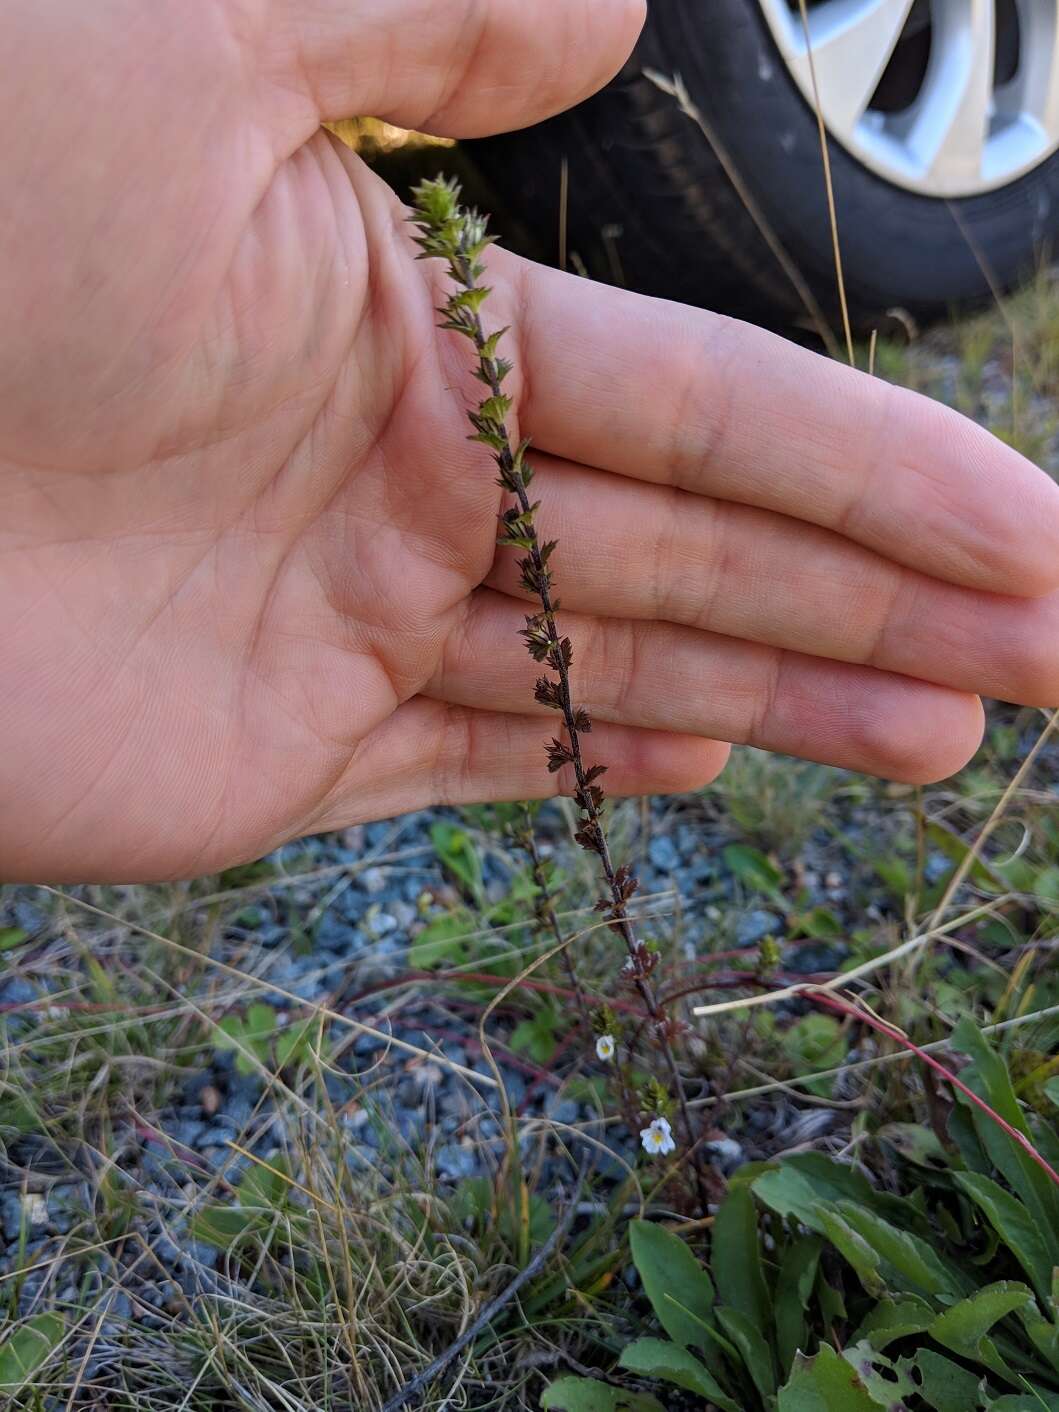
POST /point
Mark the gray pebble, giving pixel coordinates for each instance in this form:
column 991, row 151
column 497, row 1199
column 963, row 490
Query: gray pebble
column 561, row 1110
column 755, row 925
column 663, row 854
column 455, row 1162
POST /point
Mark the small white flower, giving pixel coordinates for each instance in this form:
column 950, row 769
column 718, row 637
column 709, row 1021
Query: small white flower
column 657, row 1137
column 605, row 1047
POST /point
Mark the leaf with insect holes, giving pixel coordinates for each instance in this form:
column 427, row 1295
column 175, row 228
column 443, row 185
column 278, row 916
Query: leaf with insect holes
column 825, row 1383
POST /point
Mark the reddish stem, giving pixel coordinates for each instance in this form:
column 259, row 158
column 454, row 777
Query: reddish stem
column 832, row 1002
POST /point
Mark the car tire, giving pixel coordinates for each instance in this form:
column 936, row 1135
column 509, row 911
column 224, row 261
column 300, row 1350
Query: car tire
column 648, row 203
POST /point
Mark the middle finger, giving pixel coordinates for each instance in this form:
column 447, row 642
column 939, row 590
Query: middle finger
column 628, row 549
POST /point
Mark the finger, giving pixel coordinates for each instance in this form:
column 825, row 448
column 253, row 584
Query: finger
column 661, row 677
column 430, row 753
column 458, row 69
column 632, row 550
column 681, row 397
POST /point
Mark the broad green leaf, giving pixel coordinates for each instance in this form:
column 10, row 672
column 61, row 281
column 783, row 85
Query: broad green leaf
column 917, row 1267
column 260, row 1020
column 1013, row 1223
column 456, row 851
column 266, row 1187
column 11, row 937
column 820, row 923
column 27, row 1347
column 853, row 1247
column 887, row 1383
column 794, row 1289
column 443, row 941
column 756, row 1355
column 891, row 1319
column 964, row 1328
column 825, row 1383
column 294, row 1043
column 735, row 1258
column 588, row 1395
column 816, row 1042
column 680, row 1290
column 943, row 1385
column 222, row 1225
column 1051, row 1090
column 989, row 1078
column 536, row 1035
column 655, row 1358
column 752, row 867
column 1033, row 1401
column 830, row 1181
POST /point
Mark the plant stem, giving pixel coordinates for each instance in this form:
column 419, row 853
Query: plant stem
column 511, row 472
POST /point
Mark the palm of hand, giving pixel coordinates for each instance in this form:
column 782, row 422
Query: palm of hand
column 243, row 532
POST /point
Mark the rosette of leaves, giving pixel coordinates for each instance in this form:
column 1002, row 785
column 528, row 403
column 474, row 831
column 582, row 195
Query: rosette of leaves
column 824, row 1294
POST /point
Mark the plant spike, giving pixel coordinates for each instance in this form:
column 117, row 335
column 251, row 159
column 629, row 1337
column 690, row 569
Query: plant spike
column 458, row 236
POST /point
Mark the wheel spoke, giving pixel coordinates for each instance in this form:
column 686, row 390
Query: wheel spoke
column 851, row 43
column 951, row 123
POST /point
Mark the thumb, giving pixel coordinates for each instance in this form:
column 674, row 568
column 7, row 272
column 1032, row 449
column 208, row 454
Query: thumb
column 454, row 68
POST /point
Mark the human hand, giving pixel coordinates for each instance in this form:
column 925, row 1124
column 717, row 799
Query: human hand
column 247, row 555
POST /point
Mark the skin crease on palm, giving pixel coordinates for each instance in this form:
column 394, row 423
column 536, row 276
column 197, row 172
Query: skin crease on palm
column 247, row 564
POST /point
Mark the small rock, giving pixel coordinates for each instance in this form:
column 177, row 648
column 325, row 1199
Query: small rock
column 663, row 854
column 561, row 1110
column 755, row 925
column 726, row 1153
column 373, row 879
column 456, row 1163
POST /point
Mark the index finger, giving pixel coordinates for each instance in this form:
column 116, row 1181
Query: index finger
column 679, row 396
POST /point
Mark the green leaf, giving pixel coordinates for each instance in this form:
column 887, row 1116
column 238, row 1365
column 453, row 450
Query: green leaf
column 825, row 1383
column 816, row 1042
column 819, row 923
column 294, row 1043
column 588, row 1395
column 443, row 941
column 886, row 1382
column 456, row 851
column 915, row 1143
column 680, row 1290
column 756, row 1354
column 854, row 1248
column 536, row 1035
column 916, row 1267
column 943, row 1384
column 753, row 868
column 655, row 1358
column 794, row 1289
column 891, row 1319
column 1016, row 1228
column 963, row 1329
column 1033, row 1401
column 266, row 1186
column 27, row 1347
column 11, row 937
column 222, row 1225
column 736, row 1258
column 989, row 1078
